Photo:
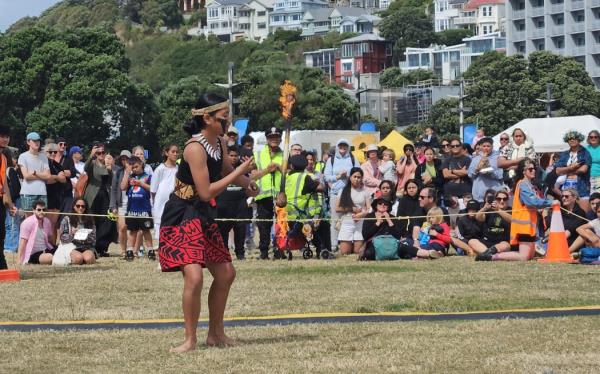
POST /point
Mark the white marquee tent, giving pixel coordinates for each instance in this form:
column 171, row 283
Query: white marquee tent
column 547, row 133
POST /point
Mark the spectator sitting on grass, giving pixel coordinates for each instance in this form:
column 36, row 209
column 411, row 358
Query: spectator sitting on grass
column 379, row 222
column 434, row 238
column 589, row 234
column 496, row 225
column 81, row 232
column 35, row 237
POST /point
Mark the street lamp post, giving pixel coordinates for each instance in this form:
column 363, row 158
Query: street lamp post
column 229, row 85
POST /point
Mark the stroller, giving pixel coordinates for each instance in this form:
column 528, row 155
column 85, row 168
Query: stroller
column 297, row 235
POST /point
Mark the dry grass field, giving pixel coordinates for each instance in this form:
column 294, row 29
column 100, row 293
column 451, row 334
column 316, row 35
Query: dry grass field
column 114, row 289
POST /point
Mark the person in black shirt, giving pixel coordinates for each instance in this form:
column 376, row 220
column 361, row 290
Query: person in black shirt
column 468, row 226
column 379, row 222
column 496, row 225
column 455, row 171
column 55, row 185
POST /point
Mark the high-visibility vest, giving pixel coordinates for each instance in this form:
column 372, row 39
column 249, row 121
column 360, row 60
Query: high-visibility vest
column 524, row 218
column 299, row 205
column 269, row 184
column 319, row 166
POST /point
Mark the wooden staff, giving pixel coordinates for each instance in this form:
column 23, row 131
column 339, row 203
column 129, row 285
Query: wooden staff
column 287, row 99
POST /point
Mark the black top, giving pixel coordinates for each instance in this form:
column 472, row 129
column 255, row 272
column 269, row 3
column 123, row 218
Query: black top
column 55, row 191
column 457, row 187
column 214, row 164
column 496, row 229
column 438, row 181
column 469, row 228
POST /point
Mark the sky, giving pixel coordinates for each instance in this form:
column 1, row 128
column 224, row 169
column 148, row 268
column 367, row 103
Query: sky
column 13, row 10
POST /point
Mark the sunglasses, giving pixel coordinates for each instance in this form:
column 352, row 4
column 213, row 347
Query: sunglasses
column 100, row 153
column 40, row 209
column 530, row 169
column 593, row 137
column 79, row 206
column 566, row 196
column 62, row 143
column 455, row 146
column 382, row 203
column 504, row 139
column 52, row 152
column 446, row 145
column 501, row 198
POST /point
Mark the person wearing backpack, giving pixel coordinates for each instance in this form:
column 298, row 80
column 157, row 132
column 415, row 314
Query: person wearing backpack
column 380, row 223
column 336, row 174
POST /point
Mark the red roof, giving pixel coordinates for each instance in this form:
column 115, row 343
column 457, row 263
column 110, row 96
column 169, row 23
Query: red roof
column 474, row 4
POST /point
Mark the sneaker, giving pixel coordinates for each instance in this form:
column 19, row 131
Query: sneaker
column 539, row 249
column 264, row 255
column 129, row 255
column 103, row 254
column 152, row 255
column 240, row 256
column 485, row 256
column 433, row 254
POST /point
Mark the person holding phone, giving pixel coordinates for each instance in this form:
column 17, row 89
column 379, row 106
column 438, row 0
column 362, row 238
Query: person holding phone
column 484, row 170
column 575, row 164
column 97, row 196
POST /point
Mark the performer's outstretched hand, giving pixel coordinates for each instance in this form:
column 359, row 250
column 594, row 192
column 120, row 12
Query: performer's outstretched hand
column 247, row 166
column 252, row 190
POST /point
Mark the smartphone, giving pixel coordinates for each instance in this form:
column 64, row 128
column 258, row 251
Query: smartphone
column 489, row 199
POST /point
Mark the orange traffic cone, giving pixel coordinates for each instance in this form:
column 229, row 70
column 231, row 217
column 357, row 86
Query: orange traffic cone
column 10, row 275
column 558, row 249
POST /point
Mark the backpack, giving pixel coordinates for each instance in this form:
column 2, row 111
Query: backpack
column 386, row 247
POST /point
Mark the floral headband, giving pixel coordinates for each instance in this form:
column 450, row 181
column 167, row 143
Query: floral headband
column 210, row 109
column 573, row 134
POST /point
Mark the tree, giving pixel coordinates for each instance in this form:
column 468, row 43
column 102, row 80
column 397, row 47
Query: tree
column 452, row 36
column 152, row 14
column 408, row 27
column 393, row 77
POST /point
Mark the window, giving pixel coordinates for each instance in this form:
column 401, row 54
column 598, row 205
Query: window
column 262, row 25
column 244, row 26
column 346, row 50
column 213, row 12
column 413, row 60
column 295, row 17
column 277, row 18
column 214, row 25
column 424, row 59
column 559, row 42
column 279, row 5
column 294, row 4
column 261, row 13
column 224, row 25
column 347, row 28
column 559, row 19
column 539, row 22
column 347, row 66
column 578, row 17
column 244, row 13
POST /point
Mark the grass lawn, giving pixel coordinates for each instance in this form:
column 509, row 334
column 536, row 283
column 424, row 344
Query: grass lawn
column 114, row 289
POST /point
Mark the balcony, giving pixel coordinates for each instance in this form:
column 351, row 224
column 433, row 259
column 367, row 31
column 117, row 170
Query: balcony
column 577, row 27
column 537, row 11
column 594, row 71
column 518, row 14
column 557, row 8
column 595, row 24
column 595, row 3
column 464, row 20
column 518, row 35
column 556, row 30
column 578, row 51
column 538, row 33
column 559, row 51
column 577, row 4
column 595, row 49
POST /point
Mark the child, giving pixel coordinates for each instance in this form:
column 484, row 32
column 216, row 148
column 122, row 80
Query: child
column 439, row 233
column 388, row 166
column 137, row 184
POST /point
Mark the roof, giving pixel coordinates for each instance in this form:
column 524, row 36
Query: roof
column 364, row 38
column 229, row 2
column 318, row 14
column 474, row 4
column 547, row 133
column 351, row 11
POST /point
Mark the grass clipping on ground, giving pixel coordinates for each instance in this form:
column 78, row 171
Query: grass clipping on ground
column 115, row 289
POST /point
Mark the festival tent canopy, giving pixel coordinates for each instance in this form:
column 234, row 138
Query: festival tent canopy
column 547, row 133
column 395, row 141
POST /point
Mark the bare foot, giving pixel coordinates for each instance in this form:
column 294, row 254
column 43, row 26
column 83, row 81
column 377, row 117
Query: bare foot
column 185, row 347
column 220, row 341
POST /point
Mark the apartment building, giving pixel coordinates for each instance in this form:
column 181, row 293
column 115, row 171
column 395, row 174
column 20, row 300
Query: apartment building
column 287, row 14
column 564, row 27
column 445, row 12
column 367, row 53
column 482, row 16
column 320, row 21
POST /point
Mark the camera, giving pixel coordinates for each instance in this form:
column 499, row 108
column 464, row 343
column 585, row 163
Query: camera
column 489, row 199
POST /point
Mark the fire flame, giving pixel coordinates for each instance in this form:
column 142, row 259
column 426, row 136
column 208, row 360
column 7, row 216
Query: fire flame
column 287, row 98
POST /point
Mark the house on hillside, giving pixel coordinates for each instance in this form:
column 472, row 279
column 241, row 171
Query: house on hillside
column 482, row 16
column 367, row 53
column 231, row 20
column 320, row 21
column 287, row 14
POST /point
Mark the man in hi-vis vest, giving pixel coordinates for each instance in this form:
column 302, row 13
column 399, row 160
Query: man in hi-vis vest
column 268, row 177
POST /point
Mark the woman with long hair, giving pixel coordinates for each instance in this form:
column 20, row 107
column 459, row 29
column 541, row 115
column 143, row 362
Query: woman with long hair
column 353, row 204
column 408, row 206
column 429, row 173
column 189, row 236
column 163, row 183
column 593, row 147
column 387, row 190
column 406, row 166
column 524, row 224
column 80, row 230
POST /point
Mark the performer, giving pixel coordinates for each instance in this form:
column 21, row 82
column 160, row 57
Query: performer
column 189, row 236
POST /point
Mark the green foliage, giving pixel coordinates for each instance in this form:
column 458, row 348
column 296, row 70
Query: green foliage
column 452, row 36
column 72, row 83
column 408, row 27
column 504, row 91
column 393, row 77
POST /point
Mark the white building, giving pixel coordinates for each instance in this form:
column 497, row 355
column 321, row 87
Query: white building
column 449, row 63
column 287, row 14
column 564, row 27
column 445, row 12
column 319, row 21
column 232, row 20
column 482, row 16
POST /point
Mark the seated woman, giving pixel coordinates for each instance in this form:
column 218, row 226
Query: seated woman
column 35, row 237
column 408, row 206
column 353, row 205
column 434, row 238
column 589, row 233
column 387, row 190
column 468, row 227
column 81, row 231
column 496, row 226
column 379, row 222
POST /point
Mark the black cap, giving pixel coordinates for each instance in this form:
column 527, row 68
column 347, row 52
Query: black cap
column 381, row 200
column 272, row 131
column 298, row 162
column 4, row 130
column 473, row 205
column 60, row 139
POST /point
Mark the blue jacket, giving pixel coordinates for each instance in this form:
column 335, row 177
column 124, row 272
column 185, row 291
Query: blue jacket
column 341, row 164
column 483, row 182
column 583, row 180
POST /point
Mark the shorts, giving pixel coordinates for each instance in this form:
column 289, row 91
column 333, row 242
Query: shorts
column 28, row 200
column 524, row 238
column 34, row 258
column 488, row 243
column 350, row 231
column 144, row 222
